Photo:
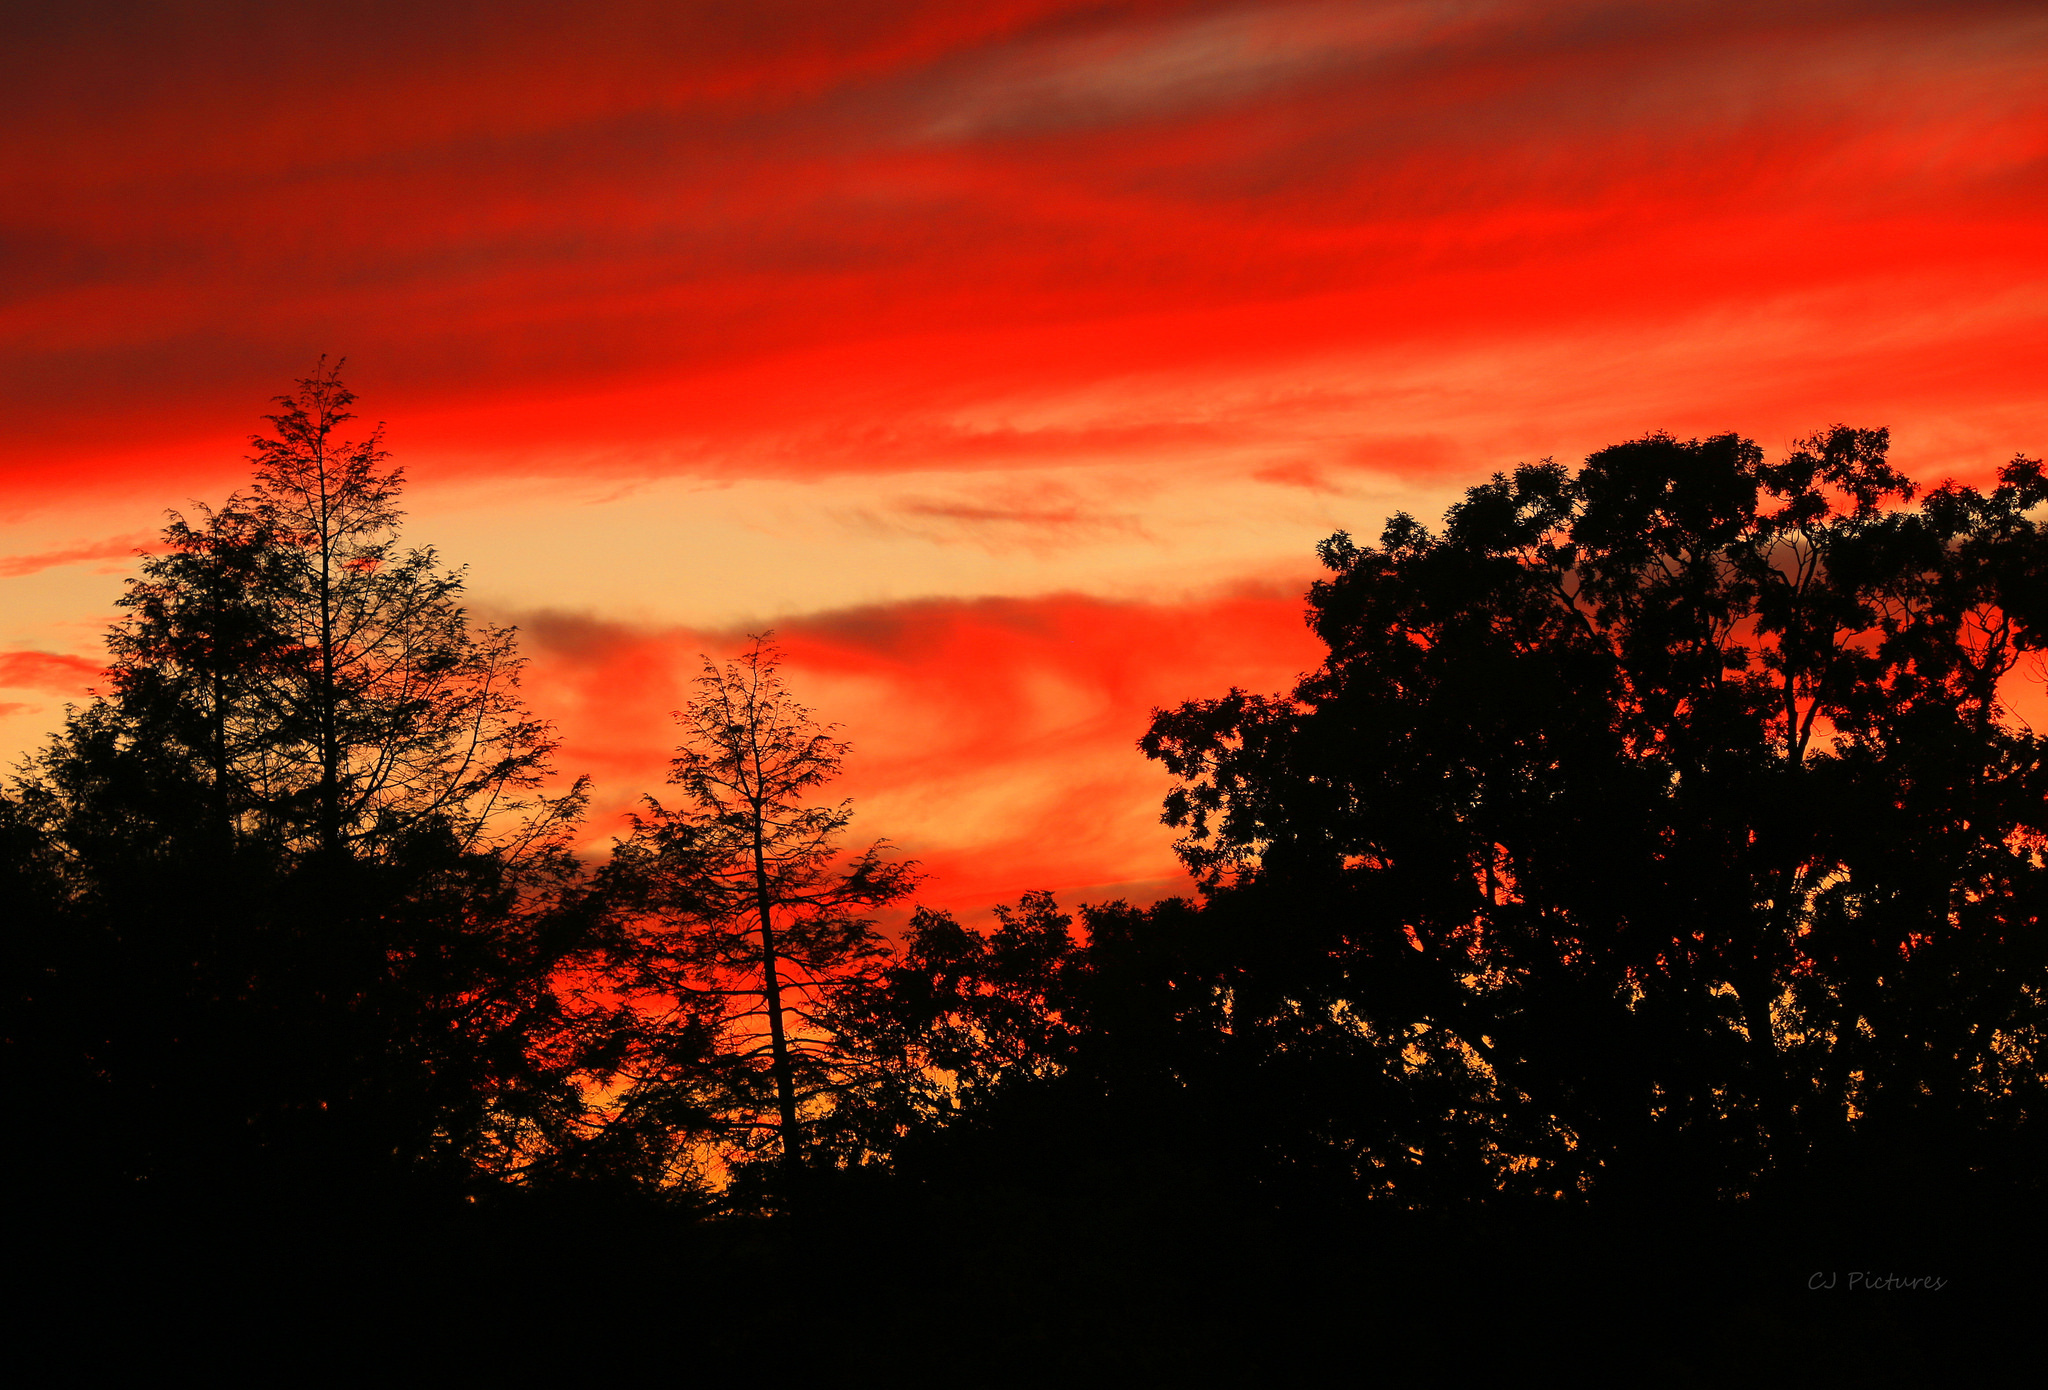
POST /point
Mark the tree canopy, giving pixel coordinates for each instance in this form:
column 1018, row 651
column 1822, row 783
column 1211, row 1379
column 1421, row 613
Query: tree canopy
column 1662, row 835
column 1675, row 811
column 745, row 918
column 297, row 893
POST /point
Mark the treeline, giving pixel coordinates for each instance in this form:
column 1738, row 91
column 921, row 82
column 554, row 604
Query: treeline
column 1660, row 836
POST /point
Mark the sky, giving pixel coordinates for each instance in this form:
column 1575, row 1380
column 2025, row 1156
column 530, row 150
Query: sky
column 1006, row 359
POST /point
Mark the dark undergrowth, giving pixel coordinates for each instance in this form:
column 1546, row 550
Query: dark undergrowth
column 1015, row 1286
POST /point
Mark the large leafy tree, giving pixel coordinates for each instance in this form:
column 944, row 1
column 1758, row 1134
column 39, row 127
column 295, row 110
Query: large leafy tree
column 1675, row 810
column 303, row 897
column 747, row 917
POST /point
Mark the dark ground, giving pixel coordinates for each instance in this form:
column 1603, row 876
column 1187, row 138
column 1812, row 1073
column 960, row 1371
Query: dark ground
column 1001, row 1288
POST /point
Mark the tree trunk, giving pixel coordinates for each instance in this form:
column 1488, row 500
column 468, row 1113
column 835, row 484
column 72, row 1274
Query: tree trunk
column 223, row 808
column 330, row 740
column 771, row 998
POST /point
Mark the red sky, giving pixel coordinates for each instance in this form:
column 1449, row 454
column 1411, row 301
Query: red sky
column 1007, row 358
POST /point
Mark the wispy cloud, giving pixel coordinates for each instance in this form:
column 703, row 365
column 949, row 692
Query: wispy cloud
column 56, row 672
column 1038, row 524
column 1143, row 70
column 994, row 737
column 121, row 548
column 1215, row 266
column 714, row 232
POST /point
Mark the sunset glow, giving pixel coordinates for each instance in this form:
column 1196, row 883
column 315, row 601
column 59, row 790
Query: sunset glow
column 1007, row 360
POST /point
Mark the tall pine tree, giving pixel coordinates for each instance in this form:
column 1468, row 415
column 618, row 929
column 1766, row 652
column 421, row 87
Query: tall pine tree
column 302, row 896
column 747, row 915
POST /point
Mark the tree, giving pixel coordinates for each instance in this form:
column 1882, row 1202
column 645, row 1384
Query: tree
column 313, row 897
column 395, row 709
column 1043, row 1048
column 1676, row 805
column 748, row 913
column 191, row 663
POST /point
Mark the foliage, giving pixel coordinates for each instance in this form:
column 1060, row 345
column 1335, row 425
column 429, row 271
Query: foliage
column 968, row 1037
column 1662, row 832
column 745, row 916
column 300, row 899
column 1676, row 803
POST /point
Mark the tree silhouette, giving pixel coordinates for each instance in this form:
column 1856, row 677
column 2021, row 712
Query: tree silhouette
column 1044, row 1045
column 394, row 709
column 748, row 913
column 309, row 895
column 1673, row 810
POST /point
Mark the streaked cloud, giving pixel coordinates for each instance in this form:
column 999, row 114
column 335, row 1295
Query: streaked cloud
column 983, row 350
column 993, row 738
column 56, row 672
column 117, row 548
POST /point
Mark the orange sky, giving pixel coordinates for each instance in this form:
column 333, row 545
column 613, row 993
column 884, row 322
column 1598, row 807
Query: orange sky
column 1008, row 358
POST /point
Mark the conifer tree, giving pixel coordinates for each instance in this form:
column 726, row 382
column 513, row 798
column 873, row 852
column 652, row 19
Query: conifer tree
column 748, row 912
column 313, row 895
column 392, row 709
